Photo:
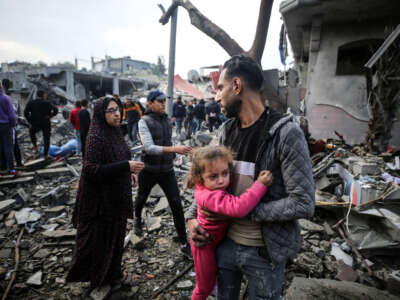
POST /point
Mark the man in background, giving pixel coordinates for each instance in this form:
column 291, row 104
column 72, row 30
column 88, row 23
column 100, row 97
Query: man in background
column 84, row 124
column 73, row 118
column 178, row 114
column 7, row 123
column 38, row 112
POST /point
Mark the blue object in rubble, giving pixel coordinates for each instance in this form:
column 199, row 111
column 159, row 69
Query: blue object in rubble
column 64, row 150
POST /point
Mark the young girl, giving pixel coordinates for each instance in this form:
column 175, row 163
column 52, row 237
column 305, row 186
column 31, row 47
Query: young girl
column 210, row 174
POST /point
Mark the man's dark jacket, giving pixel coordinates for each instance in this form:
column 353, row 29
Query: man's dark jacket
column 200, row 110
column 178, row 110
column 39, row 112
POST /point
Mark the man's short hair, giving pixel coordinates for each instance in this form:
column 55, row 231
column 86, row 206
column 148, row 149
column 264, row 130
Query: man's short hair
column 40, row 94
column 84, row 102
column 245, row 68
column 78, row 103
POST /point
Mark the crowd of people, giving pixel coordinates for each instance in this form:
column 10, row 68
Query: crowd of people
column 249, row 190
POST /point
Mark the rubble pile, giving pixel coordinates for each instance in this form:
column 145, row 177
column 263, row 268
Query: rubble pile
column 349, row 248
column 351, row 245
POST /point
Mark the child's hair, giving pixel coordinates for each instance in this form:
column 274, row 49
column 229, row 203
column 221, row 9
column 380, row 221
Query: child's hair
column 201, row 157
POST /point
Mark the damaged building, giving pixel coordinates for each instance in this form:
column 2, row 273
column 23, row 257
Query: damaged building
column 332, row 41
column 70, row 84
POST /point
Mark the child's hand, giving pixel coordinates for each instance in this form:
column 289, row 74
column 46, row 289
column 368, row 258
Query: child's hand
column 265, row 177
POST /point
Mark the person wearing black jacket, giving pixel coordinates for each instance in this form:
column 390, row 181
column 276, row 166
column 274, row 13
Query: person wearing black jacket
column 84, row 122
column 199, row 115
column 213, row 110
column 38, row 112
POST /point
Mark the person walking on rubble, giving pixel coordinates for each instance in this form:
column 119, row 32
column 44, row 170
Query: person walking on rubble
column 199, row 115
column 259, row 245
column 213, row 110
column 178, row 114
column 74, row 120
column 155, row 130
column 84, row 124
column 104, row 200
column 210, row 173
column 8, row 121
column 133, row 115
column 38, row 112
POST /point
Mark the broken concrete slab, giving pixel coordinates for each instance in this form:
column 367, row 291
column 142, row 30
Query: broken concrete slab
column 310, row 226
column 13, row 182
column 161, row 206
column 183, row 285
column 42, row 253
column 54, row 172
column 26, row 215
column 100, row 293
column 327, row 289
column 137, row 241
column 35, row 279
column 57, row 196
column 21, row 196
column 7, row 205
column 54, row 211
column 36, row 164
column 153, row 224
column 68, row 233
column 157, row 192
column 339, row 254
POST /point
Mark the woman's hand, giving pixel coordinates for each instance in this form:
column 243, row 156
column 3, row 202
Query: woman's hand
column 136, row 166
column 134, row 179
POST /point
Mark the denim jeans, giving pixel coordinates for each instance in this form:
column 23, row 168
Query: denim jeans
column 178, row 125
column 132, row 129
column 197, row 126
column 235, row 260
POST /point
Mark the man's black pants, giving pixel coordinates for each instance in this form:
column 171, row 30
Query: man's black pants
column 168, row 183
column 46, row 130
column 83, row 142
column 6, row 146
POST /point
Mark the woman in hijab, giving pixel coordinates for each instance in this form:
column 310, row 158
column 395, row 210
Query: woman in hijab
column 104, row 199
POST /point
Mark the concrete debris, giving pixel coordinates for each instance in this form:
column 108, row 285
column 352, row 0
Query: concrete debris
column 316, row 289
column 44, row 194
column 100, row 293
column 26, row 215
column 6, row 205
column 187, row 284
column 35, row 279
column 70, row 233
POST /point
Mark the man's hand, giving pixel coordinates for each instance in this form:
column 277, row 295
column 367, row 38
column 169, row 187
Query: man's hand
column 212, row 216
column 198, row 234
column 183, row 149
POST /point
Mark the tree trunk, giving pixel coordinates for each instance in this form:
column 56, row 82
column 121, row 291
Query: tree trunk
column 202, row 23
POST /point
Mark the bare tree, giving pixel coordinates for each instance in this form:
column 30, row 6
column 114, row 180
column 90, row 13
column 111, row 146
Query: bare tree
column 202, row 23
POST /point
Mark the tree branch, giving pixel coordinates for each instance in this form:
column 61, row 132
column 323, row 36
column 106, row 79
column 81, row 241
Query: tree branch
column 202, row 23
column 257, row 49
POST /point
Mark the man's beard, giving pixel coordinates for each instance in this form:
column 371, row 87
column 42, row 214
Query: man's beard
column 233, row 108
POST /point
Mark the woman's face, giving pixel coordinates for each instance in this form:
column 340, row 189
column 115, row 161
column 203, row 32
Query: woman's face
column 113, row 115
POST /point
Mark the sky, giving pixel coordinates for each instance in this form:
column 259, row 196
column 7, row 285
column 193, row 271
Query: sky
column 60, row 30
